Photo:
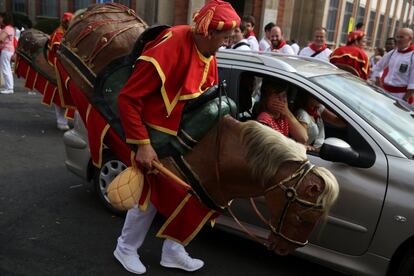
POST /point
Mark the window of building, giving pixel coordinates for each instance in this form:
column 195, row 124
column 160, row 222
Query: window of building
column 397, row 23
column 331, row 23
column 345, row 24
column 19, row 6
column 378, row 38
column 49, row 8
column 388, row 28
column 370, row 30
column 124, row 2
column 360, row 16
column 81, row 4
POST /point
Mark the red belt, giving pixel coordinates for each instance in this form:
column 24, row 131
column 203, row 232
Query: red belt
column 394, row 89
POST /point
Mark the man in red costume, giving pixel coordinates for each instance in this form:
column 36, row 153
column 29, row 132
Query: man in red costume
column 352, row 55
column 177, row 66
column 53, row 46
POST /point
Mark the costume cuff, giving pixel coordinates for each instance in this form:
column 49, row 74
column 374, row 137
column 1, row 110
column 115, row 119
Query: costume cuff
column 138, row 141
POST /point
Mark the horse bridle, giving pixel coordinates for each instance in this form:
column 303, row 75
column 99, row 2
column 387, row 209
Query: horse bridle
column 291, row 197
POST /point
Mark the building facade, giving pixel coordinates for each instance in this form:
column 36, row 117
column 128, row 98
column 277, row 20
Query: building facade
column 297, row 18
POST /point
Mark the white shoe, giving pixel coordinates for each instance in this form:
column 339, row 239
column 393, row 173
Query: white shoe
column 132, row 263
column 7, row 91
column 62, row 126
column 181, row 260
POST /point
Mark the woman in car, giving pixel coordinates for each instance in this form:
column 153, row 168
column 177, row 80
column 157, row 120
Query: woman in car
column 312, row 114
column 274, row 111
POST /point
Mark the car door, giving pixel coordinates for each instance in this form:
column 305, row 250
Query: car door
column 352, row 221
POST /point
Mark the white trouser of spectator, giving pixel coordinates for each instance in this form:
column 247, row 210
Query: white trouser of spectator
column 60, row 115
column 398, row 95
column 6, row 69
column 136, row 226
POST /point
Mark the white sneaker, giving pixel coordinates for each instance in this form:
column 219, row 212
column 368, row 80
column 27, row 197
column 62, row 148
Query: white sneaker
column 62, row 126
column 132, row 263
column 181, row 260
column 7, row 91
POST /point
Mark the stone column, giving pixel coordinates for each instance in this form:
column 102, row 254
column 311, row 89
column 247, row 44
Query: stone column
column 165, row 12
column 269, row 14
column 193, row 6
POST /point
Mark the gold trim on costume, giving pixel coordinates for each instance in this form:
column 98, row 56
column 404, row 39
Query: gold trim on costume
column 173, row 215
column 220, row 26
column 234, row 24
column 168, row 105
column 364, row 68
column 44, row 95
column 144, row 206
column 35, row 80
column 88, row 110
column 164, row 38
column 138, row 142
column 195, row 232
column 162, row 129
column 189, row 96
column 103, row 133
column 202, row 57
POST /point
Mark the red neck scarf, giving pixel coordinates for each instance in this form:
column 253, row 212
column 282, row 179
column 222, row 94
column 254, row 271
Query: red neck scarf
column 313, row 111
column 409, row 49
column 315, row 49
column 250, row 34
column 280, row 45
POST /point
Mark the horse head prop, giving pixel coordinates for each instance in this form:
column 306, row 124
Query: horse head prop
column 254, row 160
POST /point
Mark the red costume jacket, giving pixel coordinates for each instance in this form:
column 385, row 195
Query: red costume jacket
column 352, row 56
column 170, row 71
column 53, row 45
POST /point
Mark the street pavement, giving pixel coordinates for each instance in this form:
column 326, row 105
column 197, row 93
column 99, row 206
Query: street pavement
column 52, row 223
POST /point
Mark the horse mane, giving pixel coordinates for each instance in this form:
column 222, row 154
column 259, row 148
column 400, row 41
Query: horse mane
column 267, row 149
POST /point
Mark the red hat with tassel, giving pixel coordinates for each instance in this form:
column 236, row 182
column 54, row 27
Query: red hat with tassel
column 67, row 17
column 215, row 15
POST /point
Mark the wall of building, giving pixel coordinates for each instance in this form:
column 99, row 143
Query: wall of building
column 297, row 18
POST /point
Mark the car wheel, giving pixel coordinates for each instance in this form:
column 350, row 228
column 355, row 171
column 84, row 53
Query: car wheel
column 102, row 177
column 406, row 266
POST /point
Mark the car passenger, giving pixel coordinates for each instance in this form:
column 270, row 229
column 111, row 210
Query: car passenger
column 312, row 114
column 274, row 111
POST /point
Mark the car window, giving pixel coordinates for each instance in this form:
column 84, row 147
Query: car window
column 386, row 114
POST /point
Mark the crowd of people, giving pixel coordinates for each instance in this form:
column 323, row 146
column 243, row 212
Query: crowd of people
column 393, row 74
column 8, row 43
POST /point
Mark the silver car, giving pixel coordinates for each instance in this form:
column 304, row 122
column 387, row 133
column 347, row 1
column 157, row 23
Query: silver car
column 370, row 230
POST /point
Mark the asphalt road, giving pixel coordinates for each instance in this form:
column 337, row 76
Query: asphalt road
column 51, row 222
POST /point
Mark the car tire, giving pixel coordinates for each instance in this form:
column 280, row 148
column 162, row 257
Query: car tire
column 406, row 266
column 102, row 177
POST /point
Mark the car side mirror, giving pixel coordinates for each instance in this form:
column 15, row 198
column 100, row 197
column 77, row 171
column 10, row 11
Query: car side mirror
column 337, row 150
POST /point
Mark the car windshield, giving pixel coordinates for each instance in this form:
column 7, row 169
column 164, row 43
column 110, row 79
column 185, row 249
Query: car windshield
column 391, row 117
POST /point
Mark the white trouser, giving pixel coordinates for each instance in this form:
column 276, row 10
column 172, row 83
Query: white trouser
column 6, row 69
column 136, row 226
column 60, row 115
column 398, row 95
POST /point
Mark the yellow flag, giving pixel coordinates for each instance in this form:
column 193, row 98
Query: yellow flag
column 350, row 24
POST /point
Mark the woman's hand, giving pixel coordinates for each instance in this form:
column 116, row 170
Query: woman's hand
column 279, row 105
column 145, row 155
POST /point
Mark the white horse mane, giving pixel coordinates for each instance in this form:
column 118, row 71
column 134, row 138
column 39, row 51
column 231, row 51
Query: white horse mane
column 267, row 149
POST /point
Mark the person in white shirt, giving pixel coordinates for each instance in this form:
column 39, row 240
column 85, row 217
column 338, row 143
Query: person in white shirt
column 397, row 66
column 265, row 43
column 239, row 42
column 279, row 45
column 317, row 48
column 295, row 46
column 248, row 21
